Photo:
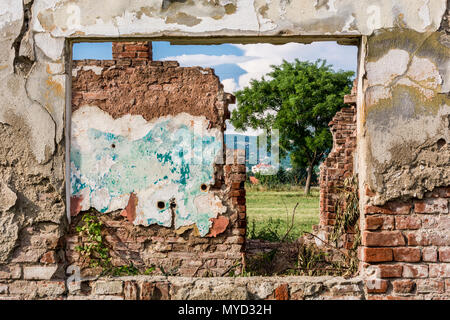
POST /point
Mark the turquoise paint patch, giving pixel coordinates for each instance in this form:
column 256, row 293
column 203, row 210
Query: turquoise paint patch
column 161, row 158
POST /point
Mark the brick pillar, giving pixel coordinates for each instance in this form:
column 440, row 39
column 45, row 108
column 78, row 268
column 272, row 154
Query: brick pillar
column 337, row 166
column 135, row 53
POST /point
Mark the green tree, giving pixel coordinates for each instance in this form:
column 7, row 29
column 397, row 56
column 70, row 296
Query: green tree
column 299, row 99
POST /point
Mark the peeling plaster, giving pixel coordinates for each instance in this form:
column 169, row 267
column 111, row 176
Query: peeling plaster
column 52, row 47
column 86, row 18
column 19, row 110
column 8, row 197
column 51, row 96
column 149, row 169
column 96, row 69
column 406, row 114
column 10, row 11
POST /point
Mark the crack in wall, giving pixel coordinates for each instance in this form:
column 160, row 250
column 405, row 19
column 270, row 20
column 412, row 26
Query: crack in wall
column 23, row 63
column 445, row 24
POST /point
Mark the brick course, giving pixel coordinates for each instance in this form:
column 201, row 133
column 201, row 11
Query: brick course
column 420, row 242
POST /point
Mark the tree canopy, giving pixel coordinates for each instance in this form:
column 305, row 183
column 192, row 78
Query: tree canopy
column 299, row 99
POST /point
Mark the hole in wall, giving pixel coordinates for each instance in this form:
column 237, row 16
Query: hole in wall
column 441, row 143
column 160, row 205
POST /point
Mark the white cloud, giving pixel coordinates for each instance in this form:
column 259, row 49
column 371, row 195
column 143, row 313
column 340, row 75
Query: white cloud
column 189, row 60
column 264, row 55
column 229, row 85
column 256, row 69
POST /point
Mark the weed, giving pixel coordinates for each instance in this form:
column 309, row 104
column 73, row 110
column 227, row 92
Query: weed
column 127, row 270
column 168, row 273
column 94, row 250
column 347, row 217
column 150, row 270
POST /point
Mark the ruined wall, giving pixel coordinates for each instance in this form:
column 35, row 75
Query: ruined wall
column 147, row 152
column 404, row 156
column 403, row 101
column 407, row 248
column 336, row 168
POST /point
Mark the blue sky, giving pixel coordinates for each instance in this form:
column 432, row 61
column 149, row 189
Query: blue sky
column 236, row 64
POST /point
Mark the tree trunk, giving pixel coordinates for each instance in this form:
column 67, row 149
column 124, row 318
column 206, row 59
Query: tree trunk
column 308, row 179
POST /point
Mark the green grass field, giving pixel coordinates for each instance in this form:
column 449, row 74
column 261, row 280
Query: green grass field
column 269, row 212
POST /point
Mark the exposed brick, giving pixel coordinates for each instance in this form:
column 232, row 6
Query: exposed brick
column 337, row 166
column 51, row 289
column 10, row 272
column 383, row 239
column 39, row 272
column 154, row 291
column 377, row 254
column 139, row 62
column 282, row 292
column 444, row 254
column 436, row 222
column 23, row 288
column 117, row 47
column 407, row 254
column 415, row 271
column 429, row 254
column 431, row 205
column 238, row 168
column 238, row 193
column 379, row 223
column 236, row 185
column 95, row 95
column 418, row 239
column 108, row 287
column 407, row 222
column 136, row 47
column 130, row 290
column 430, row 286
column 423, row 238
column 126, row 55
column 403, row 286
column 440, row 270
column 48, row 257
column 439, row 193
column 124, row 62
column 391, row 208
column 390, row 271
column 145, row 55
column 171, row 64
column 377, row 286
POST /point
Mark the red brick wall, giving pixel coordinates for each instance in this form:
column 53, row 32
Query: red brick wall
column 134, row 84
column 135, row 51
column 336, row 167
column 406, row 244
